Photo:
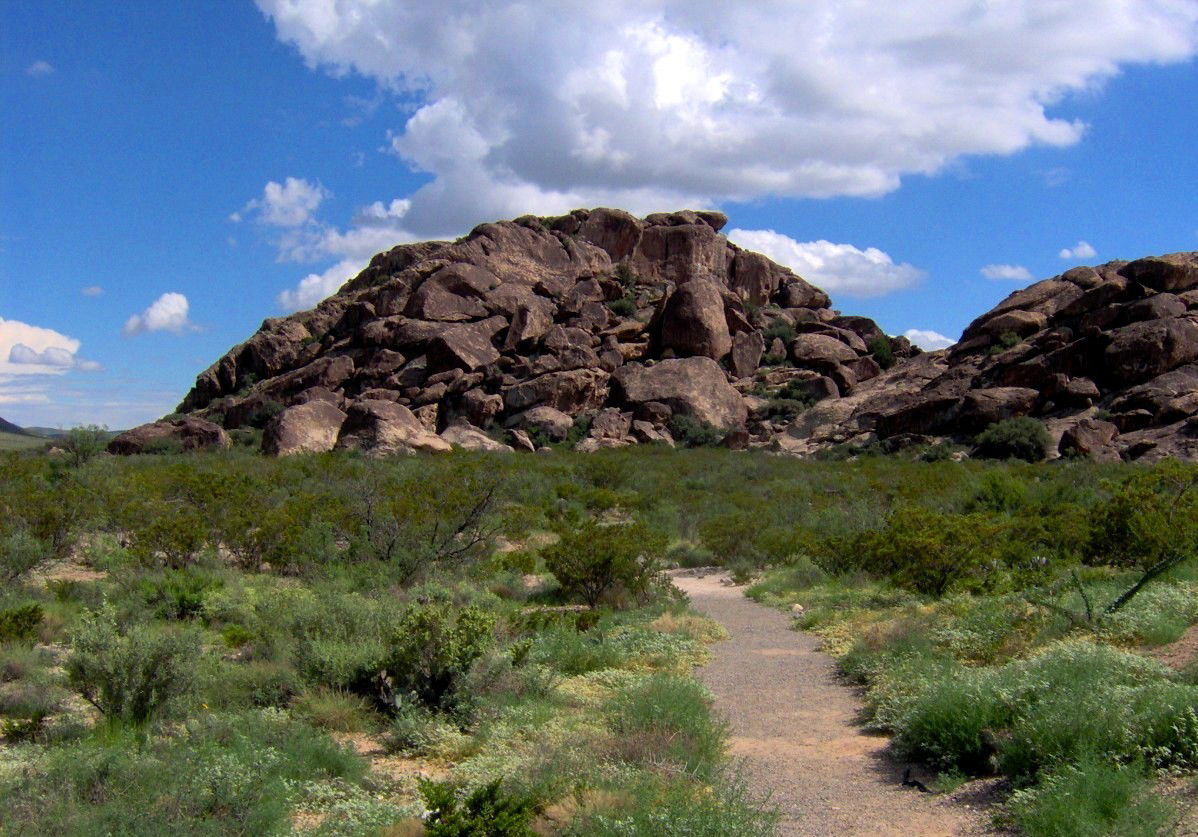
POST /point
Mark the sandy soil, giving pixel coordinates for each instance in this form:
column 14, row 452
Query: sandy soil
column 794, row 722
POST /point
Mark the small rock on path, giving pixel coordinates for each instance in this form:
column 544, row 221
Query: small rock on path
column 796, row 726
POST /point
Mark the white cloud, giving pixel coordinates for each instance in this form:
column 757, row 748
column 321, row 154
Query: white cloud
column 523, row 108
column 39, row 69
column 92, row 290
column 1007, row 272
column 32, row 350
column 928, row 340
column 316, row 286
column 836, row 268
column 287, row 204
column 167, row 313
column 1081, row 250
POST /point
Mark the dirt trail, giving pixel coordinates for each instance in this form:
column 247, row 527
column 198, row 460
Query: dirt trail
column 795, row 724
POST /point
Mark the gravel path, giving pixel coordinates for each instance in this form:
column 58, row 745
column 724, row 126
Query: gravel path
column 795, row 725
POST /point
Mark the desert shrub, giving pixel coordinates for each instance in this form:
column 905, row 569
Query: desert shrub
column 881, row 350
column 779, row 328
column 83, row 443
column 625, row 306
column 20, row 623
column 1090, row 798
column 1075, row 700
column 785, row 409
column 593, row 560
column 680, row 809
column 690, row 555
column 771, row 359
column 20, row 552
column 926, row 551
column 691, row 432
column 433, row 647
column 230, row 774
column 1145, row 518
column 1017, row 438
column 667, row 717
column 130, row 674
column 334, row 710
column 572, row 652
column 178, row 594
column 255, row 683
column 487, row 811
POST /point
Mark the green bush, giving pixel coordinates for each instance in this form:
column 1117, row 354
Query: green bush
column 1017, row 438
column 20, row 552
column 20, row 623
column 881, row 350
column 1092, row 797
column 131, row 674
column 625, row 306
column 432, row 649
column 779, row 328
column 667, row 717
column 233, row 774
column 594, row 560
column 484, row 812
column 178, row 594
column 691, row 432
column 658, row 808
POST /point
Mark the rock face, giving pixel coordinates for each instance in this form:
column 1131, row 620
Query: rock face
column 531, row 325
column 610, row 324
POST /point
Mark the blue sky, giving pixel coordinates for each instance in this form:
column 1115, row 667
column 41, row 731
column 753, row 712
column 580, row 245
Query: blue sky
column 172, row 174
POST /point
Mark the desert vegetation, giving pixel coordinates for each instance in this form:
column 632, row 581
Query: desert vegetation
column 341, row 645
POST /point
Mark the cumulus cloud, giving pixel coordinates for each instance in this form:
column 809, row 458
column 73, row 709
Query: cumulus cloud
column 836, row 268
column 928, row 340
column 167, row 313
column 1081, row 250
column 519, row 107
column 1007, row 272
column 33, row 350
column 92, row 290
column 287, row 204
column 316, row 286
column 39, row 69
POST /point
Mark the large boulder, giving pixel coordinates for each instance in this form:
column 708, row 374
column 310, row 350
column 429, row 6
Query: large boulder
column 693, row 386
column 693, row 321
column 1145, row 349
column 1175, row 272
column 383, row 427
column 186, row 433
column 463, row 434
column 573, row 391
column 311, row 427
column 553, row 424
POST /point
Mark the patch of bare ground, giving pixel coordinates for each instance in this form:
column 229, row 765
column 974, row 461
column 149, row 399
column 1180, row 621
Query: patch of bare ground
column 1180, row 653
column 795, row 725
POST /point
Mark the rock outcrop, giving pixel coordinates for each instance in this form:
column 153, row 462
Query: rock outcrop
column 170, row 435
column 605, row 328
column 598, row 318
column 1106, row 356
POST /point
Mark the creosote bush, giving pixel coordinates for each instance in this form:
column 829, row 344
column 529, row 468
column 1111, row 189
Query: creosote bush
column 594, row 560
column 1017, row 438
column 132, row 673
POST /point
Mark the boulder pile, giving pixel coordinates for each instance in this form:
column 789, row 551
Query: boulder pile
column 595, row 326
column 1106, row 356
column 602, row 330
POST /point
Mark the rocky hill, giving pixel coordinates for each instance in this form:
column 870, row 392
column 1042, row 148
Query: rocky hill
column 1106, row 356
column 604, row 330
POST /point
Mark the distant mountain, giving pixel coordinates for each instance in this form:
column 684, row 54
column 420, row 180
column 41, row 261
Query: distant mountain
column 9, row 427
column 47, row 432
